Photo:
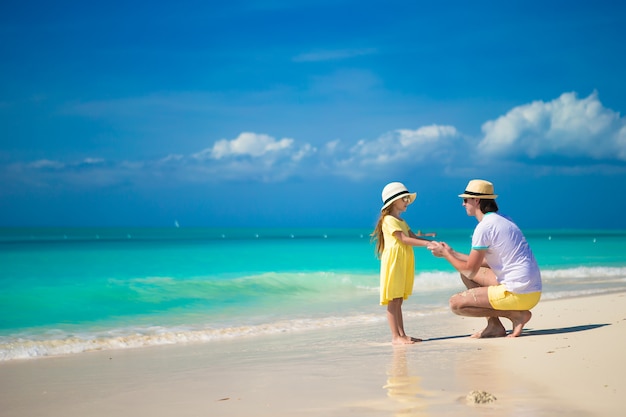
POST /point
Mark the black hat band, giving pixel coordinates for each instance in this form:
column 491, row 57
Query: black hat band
column 395, row 195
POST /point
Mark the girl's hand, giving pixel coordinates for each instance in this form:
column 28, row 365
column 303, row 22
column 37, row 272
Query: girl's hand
column 433, row 245
column 439, row 249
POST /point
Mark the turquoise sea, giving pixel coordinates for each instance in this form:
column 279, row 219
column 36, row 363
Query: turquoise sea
column 66, row 291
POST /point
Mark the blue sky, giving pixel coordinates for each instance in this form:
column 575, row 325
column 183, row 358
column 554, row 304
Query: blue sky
column 296, row 114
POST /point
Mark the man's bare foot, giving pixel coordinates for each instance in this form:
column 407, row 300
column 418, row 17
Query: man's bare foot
column 403, row 340
column 494, row 329
column 519, row 319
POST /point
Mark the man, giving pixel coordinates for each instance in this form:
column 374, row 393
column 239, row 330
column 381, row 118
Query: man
column 501, row 274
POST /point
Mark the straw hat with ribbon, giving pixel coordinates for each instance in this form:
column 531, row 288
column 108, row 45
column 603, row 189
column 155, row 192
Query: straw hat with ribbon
column 479, row 189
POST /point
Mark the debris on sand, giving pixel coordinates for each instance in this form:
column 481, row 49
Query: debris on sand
column 480, row 397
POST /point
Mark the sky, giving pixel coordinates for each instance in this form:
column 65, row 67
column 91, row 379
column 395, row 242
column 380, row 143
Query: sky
column 297, row 113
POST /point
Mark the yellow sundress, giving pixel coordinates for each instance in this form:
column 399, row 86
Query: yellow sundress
column 397, row 263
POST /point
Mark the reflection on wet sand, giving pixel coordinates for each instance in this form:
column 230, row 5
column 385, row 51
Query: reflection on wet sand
column 404, row 386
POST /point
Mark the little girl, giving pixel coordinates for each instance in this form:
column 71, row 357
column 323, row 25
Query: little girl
column 394, row 247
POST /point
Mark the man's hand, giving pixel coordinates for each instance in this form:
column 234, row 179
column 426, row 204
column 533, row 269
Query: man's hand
column 439, row 249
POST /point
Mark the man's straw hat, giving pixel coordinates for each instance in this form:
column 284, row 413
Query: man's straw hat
column 479, row 189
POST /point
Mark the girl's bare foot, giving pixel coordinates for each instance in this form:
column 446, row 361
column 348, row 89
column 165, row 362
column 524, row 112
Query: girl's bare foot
column 404, row 340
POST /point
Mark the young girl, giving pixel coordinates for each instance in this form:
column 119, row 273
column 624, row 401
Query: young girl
column 394, row 247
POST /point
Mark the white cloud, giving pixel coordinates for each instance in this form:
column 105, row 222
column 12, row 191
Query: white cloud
column 45, row 164
column 249, row 156
column 303, row 152
column 580, row 131
column 393, row 152
column 426, row 136
column 250, row 144
column 404, row 144
column 333, row 55
column 565, row 127
column 93, row 161
column 172, row 158
column 332, row 146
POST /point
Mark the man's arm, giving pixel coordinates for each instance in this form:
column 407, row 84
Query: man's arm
column 468, row 265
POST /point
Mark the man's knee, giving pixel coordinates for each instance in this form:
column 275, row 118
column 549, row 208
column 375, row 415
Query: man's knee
column 468, row 298
column 469, row 282
column 456, row 303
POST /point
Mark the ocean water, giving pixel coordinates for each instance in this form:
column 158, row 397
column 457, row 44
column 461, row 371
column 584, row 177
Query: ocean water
column 67, row 291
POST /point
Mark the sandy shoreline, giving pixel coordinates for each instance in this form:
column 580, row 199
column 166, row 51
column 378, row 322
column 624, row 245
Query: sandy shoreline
column 569, row 362
column 574, row 350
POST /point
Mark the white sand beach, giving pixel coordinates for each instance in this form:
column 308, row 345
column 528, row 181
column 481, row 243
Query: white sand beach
column 568, row 362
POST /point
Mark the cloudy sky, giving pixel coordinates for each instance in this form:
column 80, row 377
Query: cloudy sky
column 297, row 113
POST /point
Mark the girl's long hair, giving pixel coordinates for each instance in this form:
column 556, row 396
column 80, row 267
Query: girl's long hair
column 377, row 234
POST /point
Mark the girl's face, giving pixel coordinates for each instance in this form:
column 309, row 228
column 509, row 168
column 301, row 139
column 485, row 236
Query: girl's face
column 401, row 204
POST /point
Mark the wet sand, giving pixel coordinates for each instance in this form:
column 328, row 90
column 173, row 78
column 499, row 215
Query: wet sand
column 567, row 362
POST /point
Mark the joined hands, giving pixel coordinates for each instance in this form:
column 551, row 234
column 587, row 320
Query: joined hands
column 438, row 249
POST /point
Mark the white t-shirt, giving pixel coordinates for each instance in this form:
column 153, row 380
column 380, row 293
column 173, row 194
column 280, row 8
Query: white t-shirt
column 508, row 254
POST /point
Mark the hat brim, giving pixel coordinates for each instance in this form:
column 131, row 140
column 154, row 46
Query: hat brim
column 481, row 197
column 390, row 202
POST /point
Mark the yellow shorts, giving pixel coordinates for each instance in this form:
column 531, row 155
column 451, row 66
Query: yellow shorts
column 501, row 299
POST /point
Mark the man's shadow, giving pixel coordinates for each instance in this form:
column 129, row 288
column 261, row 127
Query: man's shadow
column 533, row 332
column 562, row 330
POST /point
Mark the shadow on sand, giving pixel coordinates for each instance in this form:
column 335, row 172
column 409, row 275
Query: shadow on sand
column 562, row 330
column 533, row 332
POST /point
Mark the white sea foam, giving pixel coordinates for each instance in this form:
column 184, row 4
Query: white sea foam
column 586, row 272
column 555, row 295
column 432, row 290
column 26, row 348
column 437, row 280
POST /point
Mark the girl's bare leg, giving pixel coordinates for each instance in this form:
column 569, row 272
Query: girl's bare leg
column 396, row 323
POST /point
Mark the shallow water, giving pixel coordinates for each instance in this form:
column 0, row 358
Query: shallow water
column 71, row 290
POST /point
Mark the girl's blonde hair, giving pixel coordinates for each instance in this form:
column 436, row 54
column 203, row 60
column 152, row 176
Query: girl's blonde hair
column 377, row 234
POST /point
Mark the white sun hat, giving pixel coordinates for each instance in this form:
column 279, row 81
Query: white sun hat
column 394, row 191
